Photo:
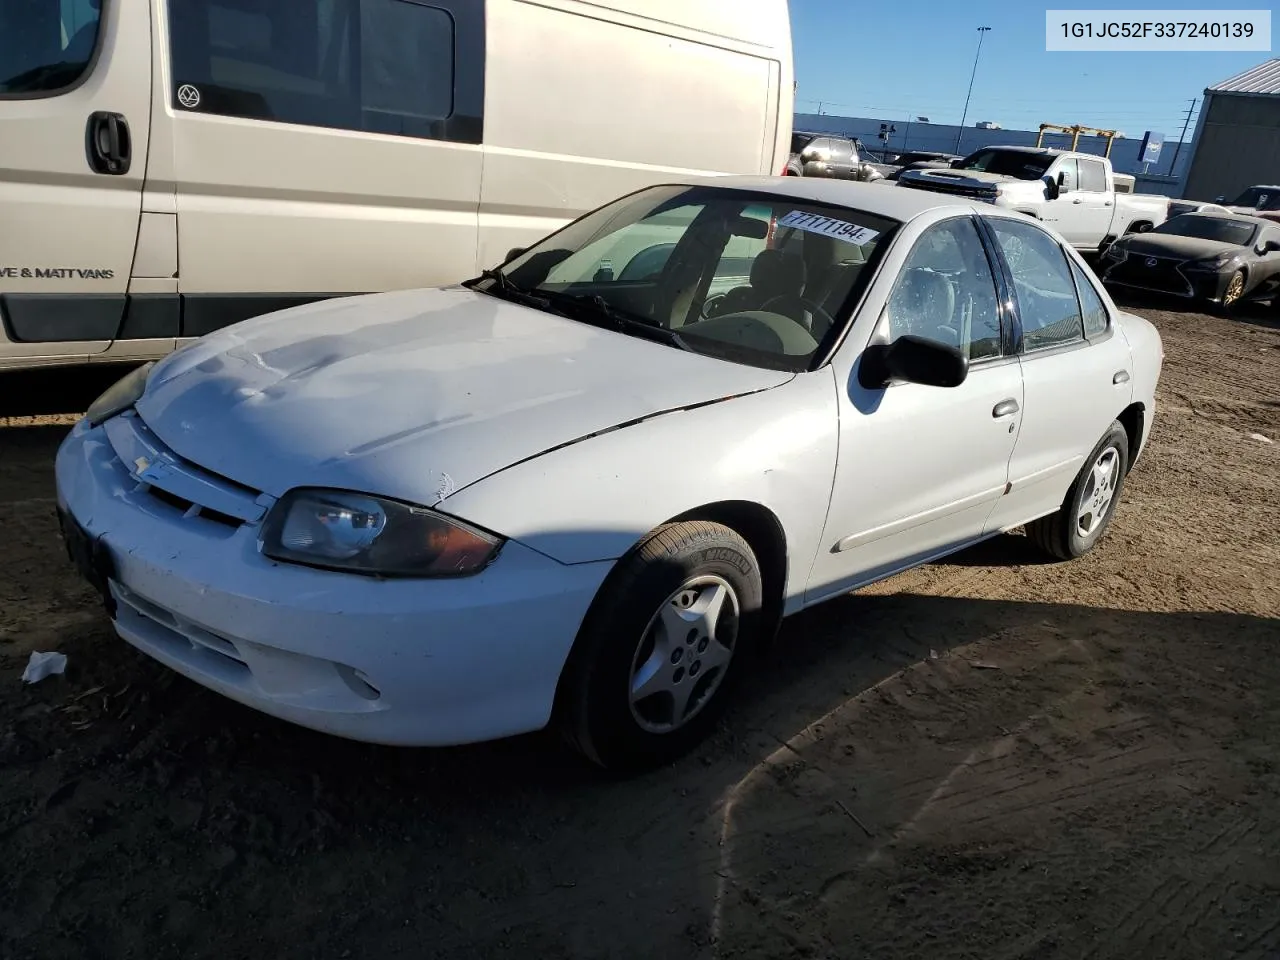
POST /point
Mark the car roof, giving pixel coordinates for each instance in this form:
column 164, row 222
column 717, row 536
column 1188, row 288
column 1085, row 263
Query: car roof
column 896, row 203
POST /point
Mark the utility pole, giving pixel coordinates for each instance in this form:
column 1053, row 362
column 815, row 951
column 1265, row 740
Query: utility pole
column 1173, row 167
column 982, row 31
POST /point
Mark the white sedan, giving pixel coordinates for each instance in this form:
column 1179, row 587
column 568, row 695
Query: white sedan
column 585, row 487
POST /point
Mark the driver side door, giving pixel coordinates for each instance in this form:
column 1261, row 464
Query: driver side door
column 920, row 468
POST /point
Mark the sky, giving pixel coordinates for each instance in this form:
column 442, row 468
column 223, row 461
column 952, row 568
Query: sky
column 899, row 59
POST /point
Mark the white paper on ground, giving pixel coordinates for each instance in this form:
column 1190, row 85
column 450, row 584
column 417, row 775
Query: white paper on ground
column 43, row 665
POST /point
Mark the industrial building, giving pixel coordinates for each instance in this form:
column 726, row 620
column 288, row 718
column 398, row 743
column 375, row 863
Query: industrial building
column 1237, row 139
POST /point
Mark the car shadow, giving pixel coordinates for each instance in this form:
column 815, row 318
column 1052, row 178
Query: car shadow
column 1004, row 550
column 1256, row 314
column 49, row 391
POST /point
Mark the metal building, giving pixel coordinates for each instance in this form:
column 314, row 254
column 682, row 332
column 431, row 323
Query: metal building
column 1237, row 138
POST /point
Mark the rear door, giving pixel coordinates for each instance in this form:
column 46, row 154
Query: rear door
column 74, row 124
column 1097, row 201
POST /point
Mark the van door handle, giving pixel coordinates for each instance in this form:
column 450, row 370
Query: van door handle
column 1005, row 408
column 1077, row 201
column 108, row 143
column 1122, row 376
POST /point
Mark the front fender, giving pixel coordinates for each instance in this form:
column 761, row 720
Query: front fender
column 594, row 499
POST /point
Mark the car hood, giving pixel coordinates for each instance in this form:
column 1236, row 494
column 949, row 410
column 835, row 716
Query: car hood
column 413, row 394
column 1168, row 245
column 971, row 179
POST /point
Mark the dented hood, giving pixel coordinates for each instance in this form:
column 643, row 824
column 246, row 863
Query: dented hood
column 413, row 394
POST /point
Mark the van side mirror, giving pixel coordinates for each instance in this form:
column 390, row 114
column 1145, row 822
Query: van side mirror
column 915, row 360
column 513, row 253
column 1052, row 189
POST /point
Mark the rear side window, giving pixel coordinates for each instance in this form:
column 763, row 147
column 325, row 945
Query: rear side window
column 1047, row 301
column 377, row 66
column 1093, row 176
column 46, row 46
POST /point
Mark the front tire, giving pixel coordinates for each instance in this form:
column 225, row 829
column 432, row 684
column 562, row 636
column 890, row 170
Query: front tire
column 1233, row 296
column 1091, row 502
column 662, row 647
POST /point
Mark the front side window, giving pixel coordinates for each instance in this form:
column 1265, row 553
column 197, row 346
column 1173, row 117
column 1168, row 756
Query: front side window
column 747, row 277
column 1093, row 176
column 1070, row 173
column 46, row 45
column 1047, row 301
column 946, row 292
column 377, row 66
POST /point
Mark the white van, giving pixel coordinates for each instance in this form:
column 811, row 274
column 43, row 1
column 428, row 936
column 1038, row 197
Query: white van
column 168, row 167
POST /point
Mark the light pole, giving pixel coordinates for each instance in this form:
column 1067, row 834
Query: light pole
column 960, row 133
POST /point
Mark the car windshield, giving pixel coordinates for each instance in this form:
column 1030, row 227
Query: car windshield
column 749, row 277
column 799, row 141
column 1009, row 163
column 45, row 46
column 1260, row 198
column 1209, row 228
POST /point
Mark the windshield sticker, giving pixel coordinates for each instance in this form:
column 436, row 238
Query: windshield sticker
column 829, row 226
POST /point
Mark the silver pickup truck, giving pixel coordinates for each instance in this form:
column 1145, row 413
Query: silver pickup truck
column 1075, row 193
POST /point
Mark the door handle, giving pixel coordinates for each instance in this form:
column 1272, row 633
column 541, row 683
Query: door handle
column 1077, row 201
column 109, row 146
column 1005, row 408
column 1122, row 376
column 1106, row 203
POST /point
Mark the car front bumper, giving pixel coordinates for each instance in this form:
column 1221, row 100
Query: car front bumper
column 408, row 662
column 1171, row 277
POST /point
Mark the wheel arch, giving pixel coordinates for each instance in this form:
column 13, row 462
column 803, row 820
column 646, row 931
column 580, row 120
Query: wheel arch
column 1134, row 420
column 761, row 528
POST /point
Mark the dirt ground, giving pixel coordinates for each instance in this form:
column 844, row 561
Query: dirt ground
column 991, row 757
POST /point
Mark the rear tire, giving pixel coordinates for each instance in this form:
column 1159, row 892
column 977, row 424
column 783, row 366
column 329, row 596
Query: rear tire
column 662, row 647
column 1091, row 502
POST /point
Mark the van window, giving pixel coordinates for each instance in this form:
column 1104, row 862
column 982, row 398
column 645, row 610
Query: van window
column 377, row 66
column 45, row 47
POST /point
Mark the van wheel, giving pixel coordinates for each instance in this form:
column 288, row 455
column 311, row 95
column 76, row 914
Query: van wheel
column 1091, row 502
column 663, row 646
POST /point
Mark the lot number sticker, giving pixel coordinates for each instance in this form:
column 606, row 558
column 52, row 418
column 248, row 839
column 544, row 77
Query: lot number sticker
column 829, row 226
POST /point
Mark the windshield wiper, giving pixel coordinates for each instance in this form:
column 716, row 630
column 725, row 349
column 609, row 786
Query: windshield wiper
column 595, row 309
column 505, row 287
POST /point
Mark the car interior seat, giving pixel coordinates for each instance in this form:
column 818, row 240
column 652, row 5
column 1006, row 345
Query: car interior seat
column 775, row 276
column 924, row 304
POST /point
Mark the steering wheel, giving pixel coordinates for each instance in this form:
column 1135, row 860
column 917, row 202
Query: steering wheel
column 708, row 305
column 814, row 308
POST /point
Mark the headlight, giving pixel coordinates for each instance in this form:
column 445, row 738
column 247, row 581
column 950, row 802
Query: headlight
column 120, row 396
column 1213, row 263
column 372, row 535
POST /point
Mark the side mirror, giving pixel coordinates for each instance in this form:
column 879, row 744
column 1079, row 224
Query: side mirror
column 513, row 253
column 1052, row 189
column 1270, row 246
column 955, row 164
column 915, row 360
